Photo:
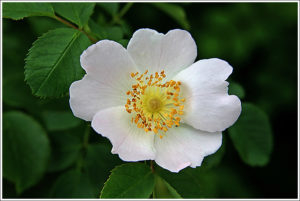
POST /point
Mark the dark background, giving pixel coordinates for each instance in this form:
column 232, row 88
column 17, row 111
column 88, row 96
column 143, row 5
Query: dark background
column 258, row 39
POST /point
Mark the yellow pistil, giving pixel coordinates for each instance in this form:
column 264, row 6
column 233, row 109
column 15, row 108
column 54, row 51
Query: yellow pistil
column 154, row 105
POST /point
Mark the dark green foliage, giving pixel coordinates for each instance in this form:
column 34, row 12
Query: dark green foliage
column 60, row 120
column 26, row 150
column 174, row 11
column 108, row 32
column 110, row 8
column 78, row 13
column 72, row 184
column 163, row 189
column 49, row 153
column 252, row 136
column 66, row 148
column 236, row 89
column 92, row 168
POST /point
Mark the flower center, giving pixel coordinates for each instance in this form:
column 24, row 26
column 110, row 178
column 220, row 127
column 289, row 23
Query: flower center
column 154, row 104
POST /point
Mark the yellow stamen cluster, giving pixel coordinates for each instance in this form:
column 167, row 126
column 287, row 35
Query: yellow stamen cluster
column 156, row 106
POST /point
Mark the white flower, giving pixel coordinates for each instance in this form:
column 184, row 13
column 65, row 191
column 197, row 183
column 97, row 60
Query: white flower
column 176, row 118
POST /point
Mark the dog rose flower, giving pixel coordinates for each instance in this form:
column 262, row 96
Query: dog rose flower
column 152, row 101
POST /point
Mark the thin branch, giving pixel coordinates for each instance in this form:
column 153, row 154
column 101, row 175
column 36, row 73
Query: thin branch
column 65, row 22
column 92, row 39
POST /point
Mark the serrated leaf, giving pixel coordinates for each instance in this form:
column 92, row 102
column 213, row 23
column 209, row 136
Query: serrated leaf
column 26, row 150
column 59, row 120
column 72, row 184
column 132, row 180
column 252, row 136
column 78, row 13
column 18, row 10
column 236, row 89
column 53, row 62
column 174, row 11
column 110, row 8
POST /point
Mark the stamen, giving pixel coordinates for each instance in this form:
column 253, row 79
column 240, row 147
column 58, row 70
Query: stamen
column 155, row 106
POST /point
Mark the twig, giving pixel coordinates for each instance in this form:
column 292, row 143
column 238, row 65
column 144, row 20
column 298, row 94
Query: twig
column 92, row 39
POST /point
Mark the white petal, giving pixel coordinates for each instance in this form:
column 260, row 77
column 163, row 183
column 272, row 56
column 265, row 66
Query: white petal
column 185, row 146
column 109, row 63
column 108, row 67
column 155, row 51
column 88, row 96
column 208, row 106
column 130, row 142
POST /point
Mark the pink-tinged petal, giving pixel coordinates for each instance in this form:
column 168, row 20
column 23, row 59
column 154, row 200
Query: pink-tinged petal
column 155, row 51
column 185, row 146
column 88, row 96
column 208, row 106
column 108, row 62
column 108, row 67
column 129, row 142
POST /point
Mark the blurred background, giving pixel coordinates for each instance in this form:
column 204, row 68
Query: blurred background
column 258, row 39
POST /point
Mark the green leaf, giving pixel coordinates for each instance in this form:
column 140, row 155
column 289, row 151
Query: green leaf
column 14, row 87
column 191, row 182
column 110, row 8
column 131, row 180
column 66, row 148
column 212, row 183
column 60, row 120
column 26, row 150
column 174, row 11
column 72, row 184
column 53, row 62
column 106, row 32
column 252, row 136
column 78, row 13
column 236, row 89
column 227, row 177
column 18, row 11
column 214, row 159
column 98, row 163
column 123, row 42
column 41, row 25
column 94, row 167
column 163, row 189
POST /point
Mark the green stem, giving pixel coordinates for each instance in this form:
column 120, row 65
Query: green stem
column 92, row 39
column 124, row 10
